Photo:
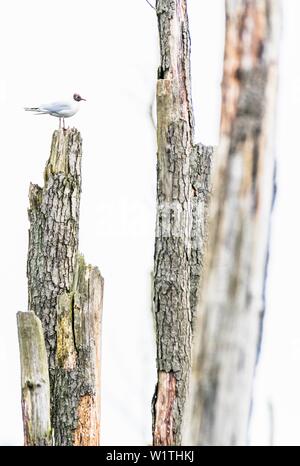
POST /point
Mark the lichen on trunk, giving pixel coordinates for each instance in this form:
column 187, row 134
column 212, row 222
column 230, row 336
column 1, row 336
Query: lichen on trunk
column 34, row 381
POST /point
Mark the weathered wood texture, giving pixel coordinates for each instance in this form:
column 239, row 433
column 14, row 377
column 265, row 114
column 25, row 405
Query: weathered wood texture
column 53, row 234
column 66, row 295
column 183, row 180
column 34, row 381
column 232, row 302
column 200, row 179
column 76, row 393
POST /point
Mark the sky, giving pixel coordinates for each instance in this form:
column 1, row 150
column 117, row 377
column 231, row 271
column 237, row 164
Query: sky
column 108, row 52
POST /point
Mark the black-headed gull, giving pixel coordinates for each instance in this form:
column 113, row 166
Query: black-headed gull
column 61, row 110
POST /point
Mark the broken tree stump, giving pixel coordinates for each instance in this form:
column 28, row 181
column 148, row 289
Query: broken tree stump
column 66, row 295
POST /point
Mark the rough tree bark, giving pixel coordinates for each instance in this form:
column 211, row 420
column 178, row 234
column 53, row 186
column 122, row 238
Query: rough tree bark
column 66, row 295
column 232, row 301
column 34, row 381
column 183, row 183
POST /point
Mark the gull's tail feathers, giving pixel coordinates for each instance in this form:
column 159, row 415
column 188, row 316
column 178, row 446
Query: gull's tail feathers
column 37, row 110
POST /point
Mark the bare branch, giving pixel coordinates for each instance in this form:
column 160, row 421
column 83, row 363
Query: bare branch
column 151, row 5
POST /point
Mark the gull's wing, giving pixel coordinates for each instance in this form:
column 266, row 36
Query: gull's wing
column 55, row 107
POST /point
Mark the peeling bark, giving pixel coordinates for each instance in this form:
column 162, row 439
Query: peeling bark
column 34, row 381
column 163, row 429
column 76, row 394
column 182, row 195
column 66, row 294
column 232, row 302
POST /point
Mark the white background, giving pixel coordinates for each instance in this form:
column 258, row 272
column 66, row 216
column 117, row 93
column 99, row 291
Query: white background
column 108, row 52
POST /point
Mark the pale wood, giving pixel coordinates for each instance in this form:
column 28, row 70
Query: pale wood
column 66, row 294
column 34, row 381
column 76, row 397
column 229, row 328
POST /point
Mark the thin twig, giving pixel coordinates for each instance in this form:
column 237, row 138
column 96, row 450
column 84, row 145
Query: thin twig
column 151, row 5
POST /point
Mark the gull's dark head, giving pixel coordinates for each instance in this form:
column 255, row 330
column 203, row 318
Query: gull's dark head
column 78, row 98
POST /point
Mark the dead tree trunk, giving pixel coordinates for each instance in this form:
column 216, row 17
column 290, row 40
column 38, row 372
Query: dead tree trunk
column 182, row 193
column 232, row 304
column 34, row 381
column 66, row 295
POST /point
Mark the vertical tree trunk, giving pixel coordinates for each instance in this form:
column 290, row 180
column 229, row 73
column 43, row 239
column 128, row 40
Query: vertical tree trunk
column 34, row 381
column 53, row 234
column 182, row 193
column 66, row 295
column 232, row 304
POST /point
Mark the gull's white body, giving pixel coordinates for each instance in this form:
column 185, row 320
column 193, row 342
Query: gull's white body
column 61, row 109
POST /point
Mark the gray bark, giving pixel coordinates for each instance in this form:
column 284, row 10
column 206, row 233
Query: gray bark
column 66, row 295
column 53, row 234
column 232, row 302
column 76, row 393
column 34, row 381
column 182, row 195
